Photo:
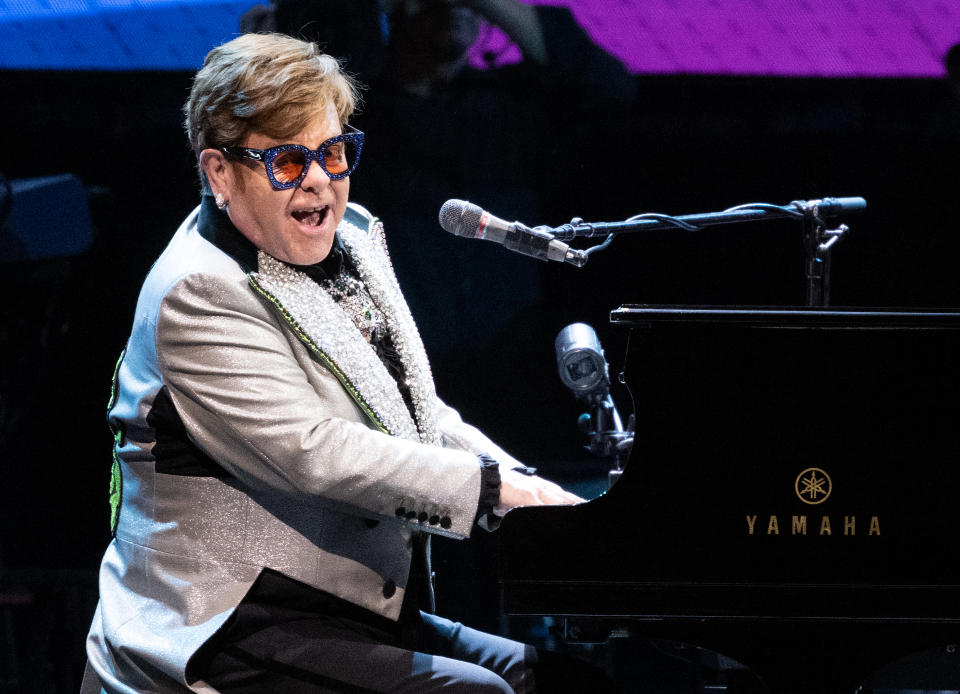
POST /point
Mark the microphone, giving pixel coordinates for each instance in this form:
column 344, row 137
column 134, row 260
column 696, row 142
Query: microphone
column 583, row 369
column 581, row 363
column 465, row 219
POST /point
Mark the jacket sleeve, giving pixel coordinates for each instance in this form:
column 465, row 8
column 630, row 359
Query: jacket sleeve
column 247, row 399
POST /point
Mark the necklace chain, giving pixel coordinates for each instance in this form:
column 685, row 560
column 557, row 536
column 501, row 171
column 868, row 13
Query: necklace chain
column 352, row 296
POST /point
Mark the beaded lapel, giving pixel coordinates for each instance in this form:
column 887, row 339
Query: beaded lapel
column 335, row 341
column 375, row 269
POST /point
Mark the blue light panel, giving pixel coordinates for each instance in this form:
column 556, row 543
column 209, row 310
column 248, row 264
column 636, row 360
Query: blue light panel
column 114, row 34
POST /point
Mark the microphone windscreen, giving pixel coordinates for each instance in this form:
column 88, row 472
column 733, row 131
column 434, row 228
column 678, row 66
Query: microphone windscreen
column 460, row 217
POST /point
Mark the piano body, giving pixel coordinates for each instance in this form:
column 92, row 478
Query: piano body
column 791, row 499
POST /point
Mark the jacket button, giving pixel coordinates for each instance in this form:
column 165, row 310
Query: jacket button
column 371, row 522
column 389, row 588
column 434, row 520
column 401, row 511
column 445, row 522
column 422, row 517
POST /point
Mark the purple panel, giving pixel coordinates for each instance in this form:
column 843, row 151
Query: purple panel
column 796, row 38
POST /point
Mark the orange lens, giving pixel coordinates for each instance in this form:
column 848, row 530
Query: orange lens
column 336, row 157
column 287, row 166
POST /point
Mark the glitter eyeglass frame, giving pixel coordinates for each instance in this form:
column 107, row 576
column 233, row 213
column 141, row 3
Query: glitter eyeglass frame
column 267, row 156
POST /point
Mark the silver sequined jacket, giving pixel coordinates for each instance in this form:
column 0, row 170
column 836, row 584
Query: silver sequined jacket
column 276, row 385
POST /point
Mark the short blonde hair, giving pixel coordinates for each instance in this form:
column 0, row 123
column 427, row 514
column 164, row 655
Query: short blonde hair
column 267, row 83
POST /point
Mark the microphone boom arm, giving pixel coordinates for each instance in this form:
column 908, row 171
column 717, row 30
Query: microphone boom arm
column 750, row 212
column 465, row 219
column 818, row 239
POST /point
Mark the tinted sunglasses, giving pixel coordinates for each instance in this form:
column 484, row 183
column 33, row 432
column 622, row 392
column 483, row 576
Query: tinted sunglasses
column 287, row 165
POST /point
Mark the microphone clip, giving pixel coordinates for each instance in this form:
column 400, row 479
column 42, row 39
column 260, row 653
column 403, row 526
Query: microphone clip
column 542, row 243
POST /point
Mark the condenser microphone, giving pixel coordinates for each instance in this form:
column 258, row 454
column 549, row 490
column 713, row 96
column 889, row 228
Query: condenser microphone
column 470, row 221
column 581, row 364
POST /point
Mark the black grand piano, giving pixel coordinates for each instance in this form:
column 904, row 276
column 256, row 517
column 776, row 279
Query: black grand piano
column 791, row 499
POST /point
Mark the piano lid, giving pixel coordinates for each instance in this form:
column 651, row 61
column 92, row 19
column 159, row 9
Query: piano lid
column 790, row 499
column 778, row 470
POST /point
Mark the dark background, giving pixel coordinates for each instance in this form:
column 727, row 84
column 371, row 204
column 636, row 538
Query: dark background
column 524, row 147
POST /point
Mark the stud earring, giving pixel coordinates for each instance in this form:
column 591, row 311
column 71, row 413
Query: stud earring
column 221, row 203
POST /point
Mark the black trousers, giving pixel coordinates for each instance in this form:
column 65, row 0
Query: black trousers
column 286, row 637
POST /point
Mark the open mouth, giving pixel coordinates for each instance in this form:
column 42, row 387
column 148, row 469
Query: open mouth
column 312, row 217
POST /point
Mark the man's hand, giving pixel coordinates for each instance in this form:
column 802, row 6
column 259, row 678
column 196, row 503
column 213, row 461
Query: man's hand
column 517, row 489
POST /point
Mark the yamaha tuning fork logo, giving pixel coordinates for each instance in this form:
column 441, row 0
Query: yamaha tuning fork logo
column 813, row 486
